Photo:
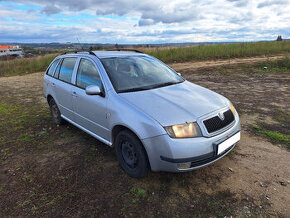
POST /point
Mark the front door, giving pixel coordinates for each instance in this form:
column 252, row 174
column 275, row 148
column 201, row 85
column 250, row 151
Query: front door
column 90, row 110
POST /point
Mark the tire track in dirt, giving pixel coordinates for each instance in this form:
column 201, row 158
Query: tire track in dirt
column 216, row 63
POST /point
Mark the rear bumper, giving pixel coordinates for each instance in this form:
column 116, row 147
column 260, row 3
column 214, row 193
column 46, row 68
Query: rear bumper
column 167, row 154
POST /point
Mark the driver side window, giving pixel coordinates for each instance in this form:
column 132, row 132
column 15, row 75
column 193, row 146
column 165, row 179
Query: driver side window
column 88, row 75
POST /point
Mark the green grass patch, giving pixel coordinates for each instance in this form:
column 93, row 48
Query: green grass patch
column 219, row 51
column 276, row 135
column 280, row 65
column 138, row 192
column 24, row 125
column 141, row 192
column 134, row 201
column 24, row 203
column 213, row 203
column 25, row 65
column 26, row 138
column 280, row 137
column 6, row 112
column 6, row 109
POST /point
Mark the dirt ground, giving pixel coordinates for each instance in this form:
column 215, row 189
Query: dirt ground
column 215, row 63
column 49, row 170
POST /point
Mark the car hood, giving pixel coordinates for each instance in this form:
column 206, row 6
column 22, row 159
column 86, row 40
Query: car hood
column 176, row 104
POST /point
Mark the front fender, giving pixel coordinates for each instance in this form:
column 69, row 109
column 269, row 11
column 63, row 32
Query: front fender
column 124, row 114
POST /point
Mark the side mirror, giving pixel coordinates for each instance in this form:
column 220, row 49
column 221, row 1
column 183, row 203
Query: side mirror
column 179, row 74
column 93, row 90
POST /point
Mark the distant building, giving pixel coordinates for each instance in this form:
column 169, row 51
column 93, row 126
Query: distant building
column 10, row 50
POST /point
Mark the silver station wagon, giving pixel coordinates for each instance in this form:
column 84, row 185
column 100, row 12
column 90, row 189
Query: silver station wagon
column 152, row 116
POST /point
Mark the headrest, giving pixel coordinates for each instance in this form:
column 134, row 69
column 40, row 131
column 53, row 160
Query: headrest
column 123, row 67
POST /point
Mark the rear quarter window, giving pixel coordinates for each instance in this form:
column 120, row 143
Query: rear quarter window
column 57, row 69
column 51, row 69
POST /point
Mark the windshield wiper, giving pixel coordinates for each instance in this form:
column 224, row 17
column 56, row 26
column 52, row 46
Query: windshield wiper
column 134, row 89
column 149, row 87
column 166, row 84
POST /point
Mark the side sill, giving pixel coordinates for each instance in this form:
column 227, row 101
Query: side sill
column 88, row 131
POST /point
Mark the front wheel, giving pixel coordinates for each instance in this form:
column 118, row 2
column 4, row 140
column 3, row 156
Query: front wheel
column 131, row 154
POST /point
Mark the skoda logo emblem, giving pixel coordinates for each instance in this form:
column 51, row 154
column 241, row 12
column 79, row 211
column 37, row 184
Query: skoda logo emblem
column 221, row 116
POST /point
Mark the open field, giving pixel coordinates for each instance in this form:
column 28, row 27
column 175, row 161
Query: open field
column 219, row 51
column 166, row 54
column 49, row 170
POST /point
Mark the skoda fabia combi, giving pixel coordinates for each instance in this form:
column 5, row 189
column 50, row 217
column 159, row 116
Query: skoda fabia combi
column 152, row 116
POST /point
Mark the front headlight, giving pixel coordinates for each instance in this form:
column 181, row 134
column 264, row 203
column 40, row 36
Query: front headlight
column 186, row 130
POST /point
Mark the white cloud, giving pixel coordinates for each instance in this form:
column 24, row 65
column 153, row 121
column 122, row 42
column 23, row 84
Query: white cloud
column 130, row 21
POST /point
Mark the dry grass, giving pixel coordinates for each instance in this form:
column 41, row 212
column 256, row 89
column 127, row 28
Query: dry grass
column 25, row 65
column 166, row 54
column 218, row 51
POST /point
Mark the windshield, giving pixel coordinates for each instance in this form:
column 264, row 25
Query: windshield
column 136, row 73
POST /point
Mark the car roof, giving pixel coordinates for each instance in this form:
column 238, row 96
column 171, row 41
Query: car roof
column 107, row 54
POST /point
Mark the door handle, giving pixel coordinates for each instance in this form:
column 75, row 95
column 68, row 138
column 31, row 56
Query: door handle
column 53, row 84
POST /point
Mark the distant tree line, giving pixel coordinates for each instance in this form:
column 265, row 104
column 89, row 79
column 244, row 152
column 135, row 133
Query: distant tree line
column 279, row 38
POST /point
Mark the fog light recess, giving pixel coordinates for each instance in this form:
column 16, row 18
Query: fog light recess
column 183, row 166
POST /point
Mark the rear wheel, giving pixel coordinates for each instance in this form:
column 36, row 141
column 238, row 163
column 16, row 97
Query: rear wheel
column 131, row 154
column 55, row 113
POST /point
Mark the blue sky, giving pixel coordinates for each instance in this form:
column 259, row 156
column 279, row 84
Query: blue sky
column 147, row 21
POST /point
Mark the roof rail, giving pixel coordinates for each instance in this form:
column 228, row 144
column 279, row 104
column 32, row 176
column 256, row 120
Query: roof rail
column 75, row 52
column 125, row 49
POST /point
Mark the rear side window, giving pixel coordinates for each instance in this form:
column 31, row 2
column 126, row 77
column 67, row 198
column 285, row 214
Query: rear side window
column 51, row 69
column 88, row 75
column 66, row 69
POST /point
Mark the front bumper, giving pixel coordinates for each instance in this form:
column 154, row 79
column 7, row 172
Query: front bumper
column 166, row 154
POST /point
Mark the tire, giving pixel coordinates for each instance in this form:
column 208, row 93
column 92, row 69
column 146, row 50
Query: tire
column 55, row 113
column 131, row 154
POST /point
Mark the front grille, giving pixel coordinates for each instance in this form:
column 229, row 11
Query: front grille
column 215, row 123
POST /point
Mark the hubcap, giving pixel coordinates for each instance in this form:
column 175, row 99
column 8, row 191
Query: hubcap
column 129, row 154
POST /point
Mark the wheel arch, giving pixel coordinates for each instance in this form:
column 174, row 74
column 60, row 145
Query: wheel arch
column 48, row 98
column 118, row 128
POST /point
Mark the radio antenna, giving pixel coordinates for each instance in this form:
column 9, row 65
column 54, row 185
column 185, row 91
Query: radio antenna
column 80, row 44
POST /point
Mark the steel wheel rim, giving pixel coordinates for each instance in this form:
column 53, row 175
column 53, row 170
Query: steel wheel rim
column 129, row 154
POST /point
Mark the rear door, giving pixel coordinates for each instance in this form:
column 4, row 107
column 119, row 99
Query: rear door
column 90, row 110
column 63, row 86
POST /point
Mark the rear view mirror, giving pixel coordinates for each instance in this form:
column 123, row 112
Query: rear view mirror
column 93, row 90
